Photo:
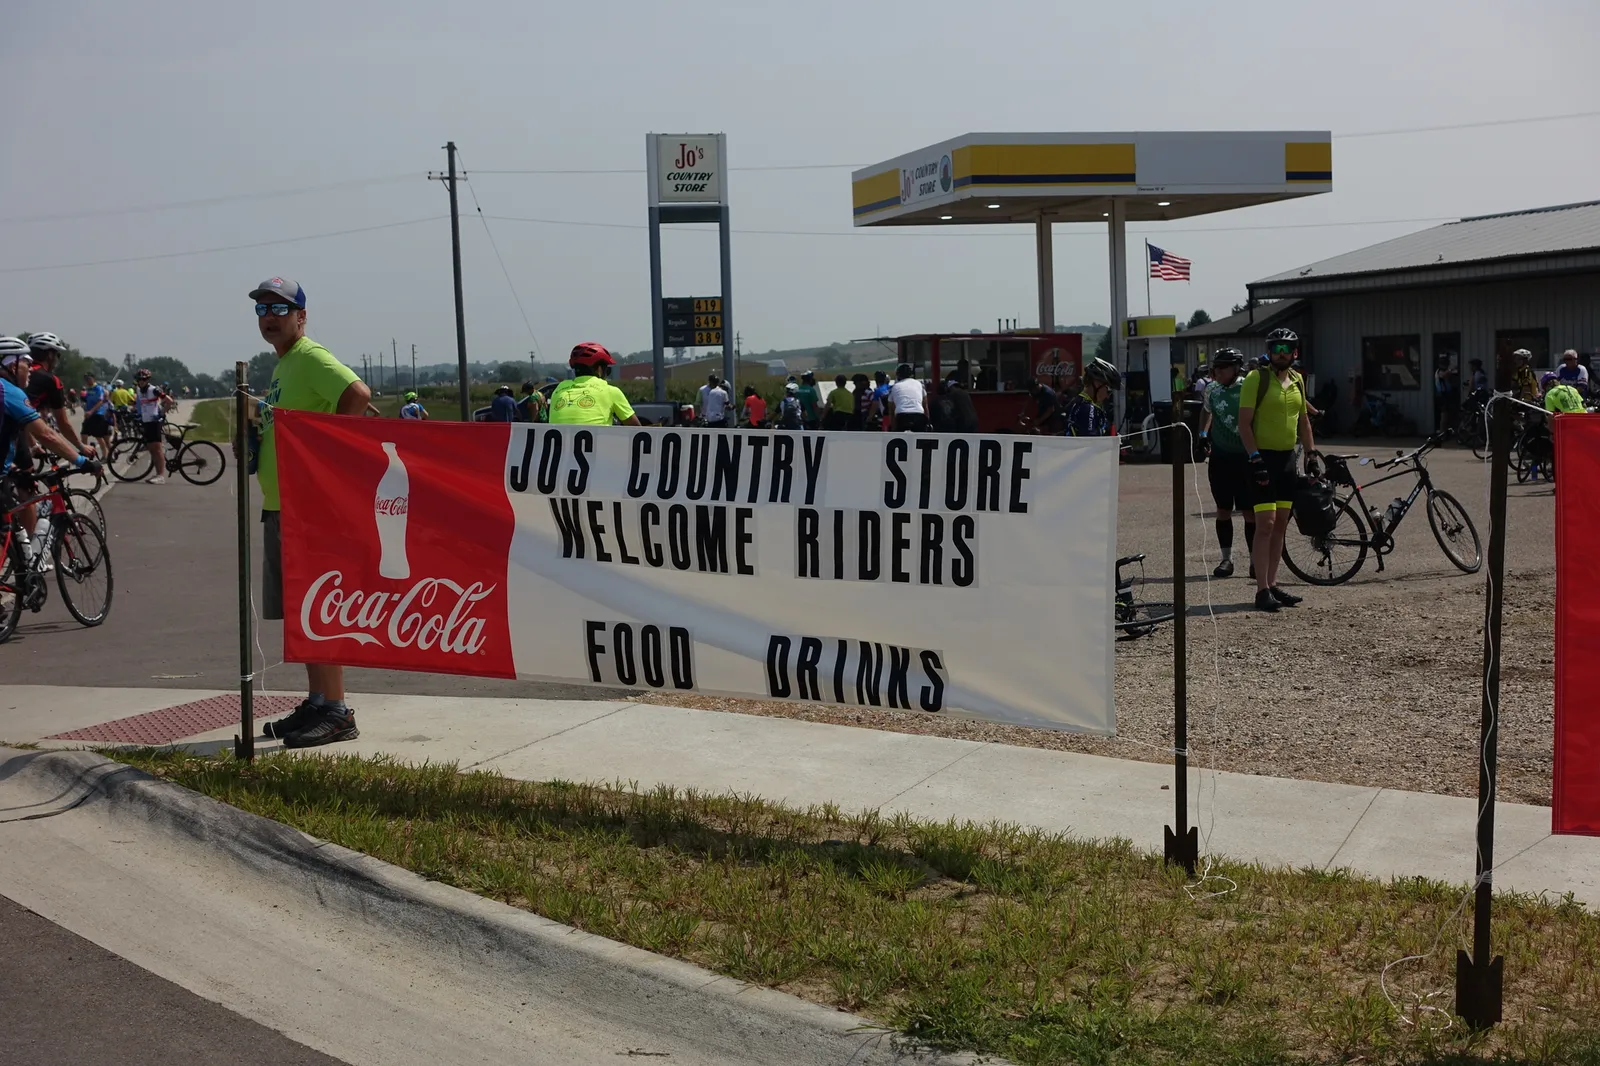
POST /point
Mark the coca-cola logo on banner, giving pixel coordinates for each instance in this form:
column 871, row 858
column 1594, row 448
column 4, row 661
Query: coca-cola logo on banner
column 435, row 612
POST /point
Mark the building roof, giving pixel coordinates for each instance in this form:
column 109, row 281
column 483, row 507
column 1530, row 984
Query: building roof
column 1266, row 318
column 1483, row 248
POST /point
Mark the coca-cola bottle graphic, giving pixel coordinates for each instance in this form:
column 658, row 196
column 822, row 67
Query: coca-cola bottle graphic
column 389, row 510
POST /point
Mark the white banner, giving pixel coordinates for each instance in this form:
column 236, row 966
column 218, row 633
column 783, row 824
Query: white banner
column 927, row 572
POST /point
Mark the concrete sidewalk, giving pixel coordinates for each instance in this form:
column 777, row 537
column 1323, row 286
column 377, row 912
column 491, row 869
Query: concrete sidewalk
column 1273, row 821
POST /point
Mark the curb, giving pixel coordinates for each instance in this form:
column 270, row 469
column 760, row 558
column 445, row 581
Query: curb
column 610, row 980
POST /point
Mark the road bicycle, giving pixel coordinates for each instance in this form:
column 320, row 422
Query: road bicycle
column 199, row 462
column 1134, row 617
column 72, row 542
column 1334, row 558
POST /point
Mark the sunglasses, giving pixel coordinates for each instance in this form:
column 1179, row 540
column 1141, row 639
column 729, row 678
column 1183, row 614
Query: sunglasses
column 262, row 310
column 1280, row 348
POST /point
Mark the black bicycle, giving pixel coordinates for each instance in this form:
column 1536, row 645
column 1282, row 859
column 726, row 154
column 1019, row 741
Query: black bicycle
column 199, row 462
column 1334, row 558
column 1135, row 617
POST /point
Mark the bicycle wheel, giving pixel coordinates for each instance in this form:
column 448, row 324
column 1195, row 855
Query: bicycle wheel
column 83, row 570
column 1136, row 619
column 1332, row 559
column 81, row 501
column 130, row 461
column 10, row 596
column 1453, row 529
column 201, row 462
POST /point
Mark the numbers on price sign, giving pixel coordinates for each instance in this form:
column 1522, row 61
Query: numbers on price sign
column 707, row 321
column 707, row 337
column 707, row 304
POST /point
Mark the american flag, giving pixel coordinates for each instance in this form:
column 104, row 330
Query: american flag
column 1166, row 266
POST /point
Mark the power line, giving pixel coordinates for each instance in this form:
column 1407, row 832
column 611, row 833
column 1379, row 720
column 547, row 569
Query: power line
column 103, row 212
column 973, row 231
column 1470, row 125
column 857, row 166
column 509, row 284
column 225, row 248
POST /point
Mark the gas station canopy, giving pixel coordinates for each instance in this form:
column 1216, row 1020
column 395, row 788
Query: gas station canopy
column 987, row 178
column 1117, row 178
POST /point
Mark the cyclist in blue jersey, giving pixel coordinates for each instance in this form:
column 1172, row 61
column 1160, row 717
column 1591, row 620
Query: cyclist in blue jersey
column 1088, row 414
column 22, row 429
column 96, row 413
column 413, row 411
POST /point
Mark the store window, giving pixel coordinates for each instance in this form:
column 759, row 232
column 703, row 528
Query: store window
column 1392, row 363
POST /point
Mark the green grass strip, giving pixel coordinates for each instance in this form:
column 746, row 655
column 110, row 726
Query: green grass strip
column 988, row 938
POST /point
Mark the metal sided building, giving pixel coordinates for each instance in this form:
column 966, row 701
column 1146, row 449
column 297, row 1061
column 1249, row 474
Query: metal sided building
column 1380, row 318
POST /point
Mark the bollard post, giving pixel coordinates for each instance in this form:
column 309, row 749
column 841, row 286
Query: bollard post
column 244, row 745
column 1182, row 842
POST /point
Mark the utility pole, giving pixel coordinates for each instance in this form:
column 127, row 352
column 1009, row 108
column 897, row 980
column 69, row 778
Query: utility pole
column 449, row 178
column 413, row 366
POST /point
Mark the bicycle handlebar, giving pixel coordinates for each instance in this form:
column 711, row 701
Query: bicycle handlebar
column 1408, row 457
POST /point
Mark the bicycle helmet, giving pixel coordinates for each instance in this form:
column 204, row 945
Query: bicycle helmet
column 13, row 351
column 410, row 396
column 1227, row 357
column 1522, row 353
column 1280, row 334
column 503, row 390
column 141, row 374
column 1100, row 370
column 45, row 342
column 1546, row 380
column 590, row 358
column 791, row 387
column 117, row 384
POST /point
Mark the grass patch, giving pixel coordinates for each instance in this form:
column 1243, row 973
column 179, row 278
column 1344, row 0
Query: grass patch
column 214, row 419
column 985, row 938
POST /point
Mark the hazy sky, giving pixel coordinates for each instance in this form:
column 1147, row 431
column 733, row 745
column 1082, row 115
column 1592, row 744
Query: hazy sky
column 109, row 106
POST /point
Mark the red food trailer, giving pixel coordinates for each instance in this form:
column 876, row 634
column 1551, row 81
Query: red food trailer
column 999, row 367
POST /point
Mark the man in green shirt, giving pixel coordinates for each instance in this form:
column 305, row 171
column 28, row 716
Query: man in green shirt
column 810, row 400
column 588, row 399
column 1272, row 417
column 306, row 378
column 1232, row 484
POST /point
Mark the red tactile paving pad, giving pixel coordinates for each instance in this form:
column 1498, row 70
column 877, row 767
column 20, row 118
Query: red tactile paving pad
column 184, row 720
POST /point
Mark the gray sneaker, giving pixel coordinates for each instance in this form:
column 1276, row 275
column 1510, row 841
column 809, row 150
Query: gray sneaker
column 327, row 727
column 294, row 721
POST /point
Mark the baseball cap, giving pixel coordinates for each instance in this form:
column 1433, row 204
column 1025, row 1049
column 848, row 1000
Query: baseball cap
column 284, row 288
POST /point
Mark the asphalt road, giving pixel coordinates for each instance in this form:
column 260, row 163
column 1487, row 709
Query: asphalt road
column 65, row 1001
column 175, row 611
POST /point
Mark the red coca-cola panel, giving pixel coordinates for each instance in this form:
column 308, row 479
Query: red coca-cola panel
column 396, row 537
column 1576, row 806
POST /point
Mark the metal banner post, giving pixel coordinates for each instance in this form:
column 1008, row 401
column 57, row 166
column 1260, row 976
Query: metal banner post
column 1480, row 977
column 244, row 745
column 1182, row 839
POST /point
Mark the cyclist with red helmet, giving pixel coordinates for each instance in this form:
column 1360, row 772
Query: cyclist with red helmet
column 588, row 399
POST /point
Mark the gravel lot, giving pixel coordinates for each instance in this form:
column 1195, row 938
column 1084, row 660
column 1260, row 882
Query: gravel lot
column 1376, row 682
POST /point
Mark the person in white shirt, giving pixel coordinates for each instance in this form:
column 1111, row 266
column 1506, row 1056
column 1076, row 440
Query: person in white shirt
column 151, row 402
column 714, row 403
column 909, row 399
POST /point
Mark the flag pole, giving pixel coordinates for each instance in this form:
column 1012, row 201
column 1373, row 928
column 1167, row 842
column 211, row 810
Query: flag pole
column 1147, row 310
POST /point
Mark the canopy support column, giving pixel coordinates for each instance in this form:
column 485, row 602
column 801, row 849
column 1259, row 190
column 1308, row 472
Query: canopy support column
column 1118, row 226
column 1045, row 250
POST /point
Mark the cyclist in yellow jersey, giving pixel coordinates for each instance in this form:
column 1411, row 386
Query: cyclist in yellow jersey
column 1524, row 386
column 589, row 399
column 1273, row 416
